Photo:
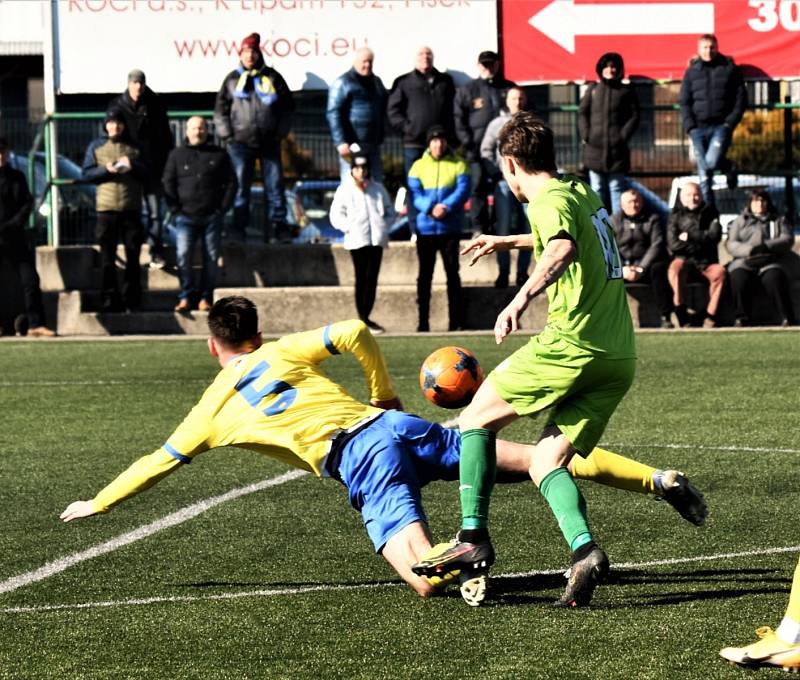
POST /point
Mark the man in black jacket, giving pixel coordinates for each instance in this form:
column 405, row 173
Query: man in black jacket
column 713, row 99
column 420, row 100
column 252, row 115
column 640, row 240
column 476, row 104
column 147, row 124
column 15, row 207
column 199, row 185
column 608, row 116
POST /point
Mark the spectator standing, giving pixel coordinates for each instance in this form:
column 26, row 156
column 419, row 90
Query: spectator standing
column 693, row 232
column 199, row 186
column 608, row 115
column 640, row 239
column 419, row 100
column 362, row 209
column 759, row 239
column 476, row 104
column 252, row 115
column 115, row 164
column 439, row 186
column 356, row 112
column 148, row 126
column 713, row 100
column 509, row 212
column 15, row 207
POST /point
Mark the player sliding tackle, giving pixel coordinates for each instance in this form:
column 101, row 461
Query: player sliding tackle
column 273, row 398
column 579, row 367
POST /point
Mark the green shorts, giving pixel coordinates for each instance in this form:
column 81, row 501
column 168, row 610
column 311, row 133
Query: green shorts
column 583, row 389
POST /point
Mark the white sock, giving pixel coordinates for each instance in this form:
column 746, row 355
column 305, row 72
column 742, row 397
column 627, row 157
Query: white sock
column 789, row 630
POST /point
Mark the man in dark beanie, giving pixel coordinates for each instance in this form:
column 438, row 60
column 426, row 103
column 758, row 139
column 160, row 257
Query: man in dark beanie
column 252, row 115
column 146, row 121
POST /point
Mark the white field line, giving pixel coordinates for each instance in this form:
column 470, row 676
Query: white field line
column 93, row 383
column 279, row 592
column 171, row 520
column 705, row 447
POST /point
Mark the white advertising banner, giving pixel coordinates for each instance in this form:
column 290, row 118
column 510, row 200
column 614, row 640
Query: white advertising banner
column 190, row 45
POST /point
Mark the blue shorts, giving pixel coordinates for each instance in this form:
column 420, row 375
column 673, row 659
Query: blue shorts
column 386, row 464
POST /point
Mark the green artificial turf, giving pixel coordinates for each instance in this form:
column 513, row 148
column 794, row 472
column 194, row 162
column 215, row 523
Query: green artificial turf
column 283, row 582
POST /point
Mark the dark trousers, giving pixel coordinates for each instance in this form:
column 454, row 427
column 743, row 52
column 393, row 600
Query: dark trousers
column 427, row 247
column 244, row 164
column 480, row 188
column 367, row 265
column 656, row 276
column 773, row 281
column 411, row 154
column 21, row 256
column 113, row 227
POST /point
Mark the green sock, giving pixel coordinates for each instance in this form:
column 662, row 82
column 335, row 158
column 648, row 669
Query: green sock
column 568, row 505
column 476, row 473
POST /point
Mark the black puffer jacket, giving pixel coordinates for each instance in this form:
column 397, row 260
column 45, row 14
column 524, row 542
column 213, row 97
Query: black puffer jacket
column 248, row 120
column 477, row 104
column 147, row 126
column 704, row 233
column 608, row 116
column 712, row 93
column 15, row 206
column 640, row 239
column 770, row 234
column 416, row 105
column 199, row 180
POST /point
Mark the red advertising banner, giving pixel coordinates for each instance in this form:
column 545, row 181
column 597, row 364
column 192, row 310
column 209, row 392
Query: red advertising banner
column 561, row 40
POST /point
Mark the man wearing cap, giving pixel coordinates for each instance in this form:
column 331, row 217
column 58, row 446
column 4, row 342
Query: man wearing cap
column 362, row 209
column 356, row 109
column 15, row 207
column 115, row 164
column 476, row 104
column 147, row 124
column 439, row 186
column 252, row 115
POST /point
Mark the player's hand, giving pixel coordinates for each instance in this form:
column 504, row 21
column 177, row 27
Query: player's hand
column 343, row 150
column 484, row 244
column 508, row 320
column 77, row 510
column 439, row 211
column 387, row 404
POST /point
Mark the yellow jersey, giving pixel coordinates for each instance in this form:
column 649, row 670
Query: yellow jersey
column 276, row 401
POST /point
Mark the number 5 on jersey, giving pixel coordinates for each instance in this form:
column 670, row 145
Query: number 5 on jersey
column 255, row 395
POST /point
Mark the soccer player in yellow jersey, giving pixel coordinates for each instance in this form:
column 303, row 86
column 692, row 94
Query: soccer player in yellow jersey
column 273, row 398
column 776, row 648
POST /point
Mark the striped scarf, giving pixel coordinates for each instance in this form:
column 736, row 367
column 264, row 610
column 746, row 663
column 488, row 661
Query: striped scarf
column 262, row 86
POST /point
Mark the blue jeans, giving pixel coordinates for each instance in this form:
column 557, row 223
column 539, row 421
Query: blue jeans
column 511, row 219
column 244, row 162
column 375, row 165
column 187, row 232
column 710, row 146
column 609, row 186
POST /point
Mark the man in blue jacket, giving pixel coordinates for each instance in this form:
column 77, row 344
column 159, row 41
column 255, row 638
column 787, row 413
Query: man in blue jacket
column 439, row 183
column 713, row 99
column 356, row 109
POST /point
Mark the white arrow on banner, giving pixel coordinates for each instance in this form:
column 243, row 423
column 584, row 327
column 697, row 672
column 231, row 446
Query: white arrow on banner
column 562, row 20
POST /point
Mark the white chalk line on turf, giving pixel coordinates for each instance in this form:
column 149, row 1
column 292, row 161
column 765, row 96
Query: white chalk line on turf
column 705, row 447
column 171, row 520
column 279, row 592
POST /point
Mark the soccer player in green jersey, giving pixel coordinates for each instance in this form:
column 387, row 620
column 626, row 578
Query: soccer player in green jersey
column 580, row 366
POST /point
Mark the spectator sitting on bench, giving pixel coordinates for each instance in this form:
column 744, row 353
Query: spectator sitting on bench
column 693, row 232
column 759, row 240
column 640, row 239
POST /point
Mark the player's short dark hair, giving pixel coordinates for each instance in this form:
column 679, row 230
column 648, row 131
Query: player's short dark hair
column 528, row 140
column 233, row 320
column 710, row 37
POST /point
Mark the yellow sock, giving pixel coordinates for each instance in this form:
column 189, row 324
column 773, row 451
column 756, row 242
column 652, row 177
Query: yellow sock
column 612, row 469
column 793, row 610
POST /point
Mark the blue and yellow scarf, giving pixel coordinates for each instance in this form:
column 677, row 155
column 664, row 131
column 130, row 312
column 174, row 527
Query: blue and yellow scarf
column 262, row 86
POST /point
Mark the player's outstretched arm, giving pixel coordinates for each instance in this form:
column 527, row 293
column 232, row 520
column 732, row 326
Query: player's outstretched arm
column 553, row 262
column 486, row 244
column 78, row 510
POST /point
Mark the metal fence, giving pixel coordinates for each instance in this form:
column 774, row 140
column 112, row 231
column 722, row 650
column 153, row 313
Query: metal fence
column 766, row 143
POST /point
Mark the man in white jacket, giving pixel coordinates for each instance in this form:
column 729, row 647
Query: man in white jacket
column 362, row 210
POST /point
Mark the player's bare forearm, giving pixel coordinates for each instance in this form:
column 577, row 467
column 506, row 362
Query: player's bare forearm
column 553, row 262
column 487, row 244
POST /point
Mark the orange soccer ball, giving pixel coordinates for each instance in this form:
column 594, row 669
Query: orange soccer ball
column 450, row 376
